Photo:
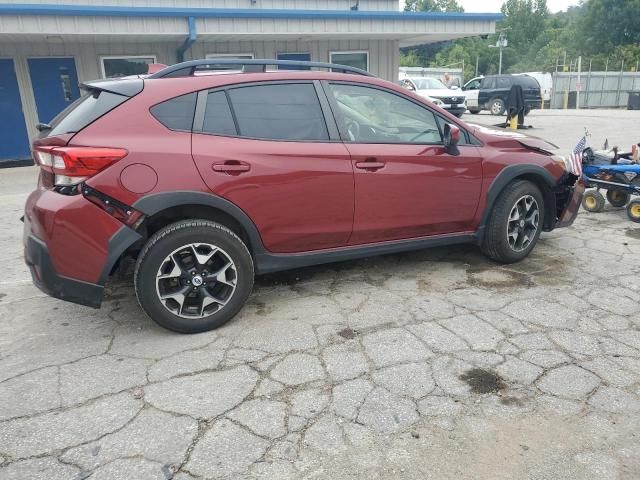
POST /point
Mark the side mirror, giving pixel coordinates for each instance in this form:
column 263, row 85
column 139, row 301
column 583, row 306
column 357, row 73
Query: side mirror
column 455, row 87
column 451, row 139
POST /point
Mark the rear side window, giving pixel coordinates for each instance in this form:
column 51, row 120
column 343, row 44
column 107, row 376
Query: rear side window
column 503, row 82
column 176, row 113
column 279, row 112
column 488, row 82
column 217, row 116
column 84, row 111
column 527, row 82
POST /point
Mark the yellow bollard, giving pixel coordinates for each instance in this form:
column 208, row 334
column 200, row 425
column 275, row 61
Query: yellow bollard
column 565, row 102
column 513, row 122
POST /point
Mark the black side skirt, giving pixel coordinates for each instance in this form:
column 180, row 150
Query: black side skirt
column 271, row 262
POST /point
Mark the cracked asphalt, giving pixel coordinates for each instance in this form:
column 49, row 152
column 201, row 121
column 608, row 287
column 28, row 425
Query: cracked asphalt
column 436, row 364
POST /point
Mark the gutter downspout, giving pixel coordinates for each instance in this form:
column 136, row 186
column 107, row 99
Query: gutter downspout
column 190, row 40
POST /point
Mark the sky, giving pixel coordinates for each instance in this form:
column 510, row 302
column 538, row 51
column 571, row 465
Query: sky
column 494, row 5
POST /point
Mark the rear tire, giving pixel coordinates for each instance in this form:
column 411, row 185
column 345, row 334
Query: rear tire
column 618, row 198
column 193, row 276
column 515, row 223
column 474, row 111
column 593, row 201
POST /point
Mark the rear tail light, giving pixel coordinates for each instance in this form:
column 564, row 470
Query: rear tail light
column 73, row 165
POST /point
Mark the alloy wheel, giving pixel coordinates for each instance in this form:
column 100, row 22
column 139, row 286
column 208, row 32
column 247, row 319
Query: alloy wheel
column 196, row 280
column 523, row 223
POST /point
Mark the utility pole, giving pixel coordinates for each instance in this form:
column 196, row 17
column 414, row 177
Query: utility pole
column 501, row 44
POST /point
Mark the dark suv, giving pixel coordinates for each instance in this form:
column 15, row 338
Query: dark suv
column 207, row 178
column 493, row 91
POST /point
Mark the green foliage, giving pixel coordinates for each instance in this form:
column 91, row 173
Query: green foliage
column 432, row 6
column 607, row 24
column 605, row 32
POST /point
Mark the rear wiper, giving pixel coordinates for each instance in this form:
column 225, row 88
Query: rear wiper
column 43, row 126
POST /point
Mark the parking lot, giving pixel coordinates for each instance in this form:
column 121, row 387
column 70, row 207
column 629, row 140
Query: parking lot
column 436, row 364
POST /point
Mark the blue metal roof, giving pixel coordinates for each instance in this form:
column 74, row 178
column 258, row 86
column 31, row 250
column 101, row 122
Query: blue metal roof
column 115, row 11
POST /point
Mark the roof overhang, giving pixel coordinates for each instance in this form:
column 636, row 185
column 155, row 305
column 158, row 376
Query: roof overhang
column 228, row 24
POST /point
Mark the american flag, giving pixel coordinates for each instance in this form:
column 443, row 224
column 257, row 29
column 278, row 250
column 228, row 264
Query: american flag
column 575, row 158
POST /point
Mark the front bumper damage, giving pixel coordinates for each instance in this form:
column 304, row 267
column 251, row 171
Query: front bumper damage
column 568, row 196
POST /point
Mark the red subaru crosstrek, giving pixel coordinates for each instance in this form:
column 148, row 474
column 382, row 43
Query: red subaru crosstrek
column 207, row 178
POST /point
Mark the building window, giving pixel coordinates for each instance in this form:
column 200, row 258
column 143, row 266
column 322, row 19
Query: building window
column 352, row 59
column 125, row 65
column 228, row 56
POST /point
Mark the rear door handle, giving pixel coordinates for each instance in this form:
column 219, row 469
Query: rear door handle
column 231, row 166
column 370, row 164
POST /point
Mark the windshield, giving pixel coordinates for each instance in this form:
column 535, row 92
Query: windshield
column 428, row 84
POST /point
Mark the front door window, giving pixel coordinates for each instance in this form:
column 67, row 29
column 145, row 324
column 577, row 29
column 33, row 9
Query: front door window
column 370, row 115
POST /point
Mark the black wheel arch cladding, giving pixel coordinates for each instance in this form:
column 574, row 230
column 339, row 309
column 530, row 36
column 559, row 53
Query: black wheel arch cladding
column 155, row 203
column 541, row 177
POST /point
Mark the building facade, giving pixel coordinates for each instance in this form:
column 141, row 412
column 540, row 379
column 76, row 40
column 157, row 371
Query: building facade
column 47, row 47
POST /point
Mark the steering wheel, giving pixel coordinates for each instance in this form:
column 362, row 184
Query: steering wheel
column 353, row 130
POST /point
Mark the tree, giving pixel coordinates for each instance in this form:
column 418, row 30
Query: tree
column 524, row 21
column 607, row 24
column 604, row 32
column 432, row 6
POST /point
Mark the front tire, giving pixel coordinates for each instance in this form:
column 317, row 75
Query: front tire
column 193, row 276
column 593, row 201
column 515, row 223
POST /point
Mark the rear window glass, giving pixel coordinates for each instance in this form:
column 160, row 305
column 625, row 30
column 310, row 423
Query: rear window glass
column 176, row 113
column 84, row 111
column 217, row 116
column 279, row 112
column 527, row 82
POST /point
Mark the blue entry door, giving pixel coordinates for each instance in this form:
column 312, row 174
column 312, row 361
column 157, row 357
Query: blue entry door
column 305, row 57
column 14, row 141
column 55, row 85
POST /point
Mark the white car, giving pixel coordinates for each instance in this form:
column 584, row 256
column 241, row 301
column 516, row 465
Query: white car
column 471, row 89
column 451, row 99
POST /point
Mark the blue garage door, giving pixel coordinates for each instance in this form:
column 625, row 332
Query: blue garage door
column 14, row 141
column 55, row 85
column 306, row 57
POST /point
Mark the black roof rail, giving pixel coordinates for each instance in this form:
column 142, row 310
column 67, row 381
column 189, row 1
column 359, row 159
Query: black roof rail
column 188, row 69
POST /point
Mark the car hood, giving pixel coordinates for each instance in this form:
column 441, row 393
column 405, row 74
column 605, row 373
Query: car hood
column 439, row 93
column 505, row 137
